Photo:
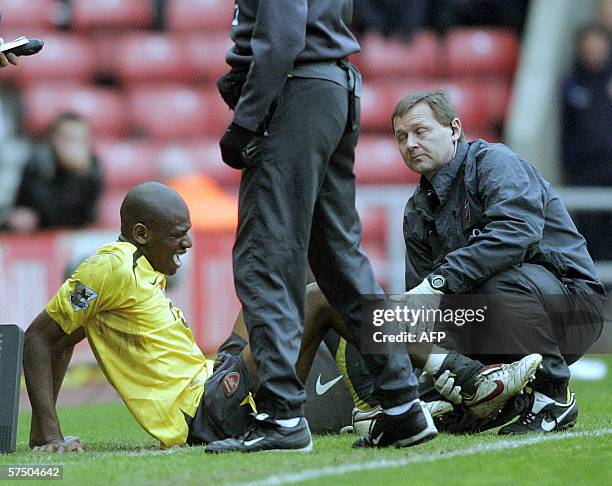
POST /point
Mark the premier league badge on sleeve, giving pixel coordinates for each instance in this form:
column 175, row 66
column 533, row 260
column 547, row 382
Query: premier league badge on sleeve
column 81, row 297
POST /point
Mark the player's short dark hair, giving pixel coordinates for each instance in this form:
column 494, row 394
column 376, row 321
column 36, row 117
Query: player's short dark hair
column 443, row 109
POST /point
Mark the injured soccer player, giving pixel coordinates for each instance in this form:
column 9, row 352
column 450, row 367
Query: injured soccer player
column 145, row 347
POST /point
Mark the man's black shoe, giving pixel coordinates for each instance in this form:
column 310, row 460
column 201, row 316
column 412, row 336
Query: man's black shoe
column 542, row 414
column 407, row 429
column 267, row 435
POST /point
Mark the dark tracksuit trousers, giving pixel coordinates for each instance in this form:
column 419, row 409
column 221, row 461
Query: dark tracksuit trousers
column 297, row 206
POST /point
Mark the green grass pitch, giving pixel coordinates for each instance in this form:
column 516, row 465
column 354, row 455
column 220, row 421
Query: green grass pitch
column 119, row 452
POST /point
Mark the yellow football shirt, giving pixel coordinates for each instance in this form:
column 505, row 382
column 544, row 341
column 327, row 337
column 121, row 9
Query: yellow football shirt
column 140, row 340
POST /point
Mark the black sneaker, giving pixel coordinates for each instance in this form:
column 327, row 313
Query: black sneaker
column 407, row 429
column 267, row 435
column 543, row 414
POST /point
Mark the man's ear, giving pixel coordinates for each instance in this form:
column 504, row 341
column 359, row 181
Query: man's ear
column 140, row 233
column 456, row 128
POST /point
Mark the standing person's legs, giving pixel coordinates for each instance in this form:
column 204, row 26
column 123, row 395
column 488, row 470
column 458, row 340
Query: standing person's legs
column 344, row 273
column 345, row 276
column 277, row 197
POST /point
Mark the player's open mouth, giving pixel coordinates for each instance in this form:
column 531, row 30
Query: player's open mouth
column 176, row 259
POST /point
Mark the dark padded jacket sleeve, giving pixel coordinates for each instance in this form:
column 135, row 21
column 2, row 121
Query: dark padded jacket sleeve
column 279, row 35
column 513, row 199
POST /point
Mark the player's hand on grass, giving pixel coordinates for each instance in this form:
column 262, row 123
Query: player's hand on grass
column 9, row 58
column 70, row 443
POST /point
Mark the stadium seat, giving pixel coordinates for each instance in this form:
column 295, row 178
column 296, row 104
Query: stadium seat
column 104, row 108
column 111, row 14
column 467, row 96
column 108, row 208
column 373, row 223
column 200, row 15
column 28, row 15
column 497, row 95
column 65, row 57
column 126, row 163
column 203, row 156
column 169, row 111
column 220, row 115
column 206, row 54
column 380, row 97
column 481, row 52
column 391, row 58
column 143, row 56
column 378, row 161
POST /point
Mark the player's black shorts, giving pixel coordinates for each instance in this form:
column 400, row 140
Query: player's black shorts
column 220, row 414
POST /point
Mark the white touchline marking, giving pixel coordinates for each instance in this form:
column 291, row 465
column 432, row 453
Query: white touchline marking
column 307, row 474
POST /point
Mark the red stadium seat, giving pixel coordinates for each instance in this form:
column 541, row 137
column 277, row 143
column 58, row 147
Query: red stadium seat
column 382, row 57
column 104, row 108
column 200, row 15
column 378, row 161
column 481, row 52
column 373, row 223
column 126, row 163
column 149, row 57
column 108, row 208
column 64, row 57
column 380, row 97
column 110, row 14
column 473, row 110
column 206, row 54
column 220, row 115
column 497, row 96
column 169, row 111
column 203, row 156
column 27, row 15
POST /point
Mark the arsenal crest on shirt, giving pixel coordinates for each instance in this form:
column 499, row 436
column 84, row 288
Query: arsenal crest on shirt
column 230, row 383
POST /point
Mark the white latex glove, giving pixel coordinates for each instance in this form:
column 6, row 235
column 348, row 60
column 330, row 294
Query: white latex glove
column 445, row 386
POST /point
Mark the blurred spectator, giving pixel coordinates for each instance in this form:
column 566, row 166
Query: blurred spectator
column 605, row 15
column 445, row 14
column 389, row 17
column 62, row 180
column 587, row 111
column 210, row 207
column 587, row 122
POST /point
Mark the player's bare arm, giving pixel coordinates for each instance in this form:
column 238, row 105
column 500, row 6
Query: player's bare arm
column 47, row 352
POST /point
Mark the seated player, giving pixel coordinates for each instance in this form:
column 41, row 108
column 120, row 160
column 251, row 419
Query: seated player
column 143, row 344
column 460, row 385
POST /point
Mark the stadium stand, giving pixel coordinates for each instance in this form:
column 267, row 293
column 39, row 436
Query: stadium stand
column 103, row 107
column 30, row 14
column 474, row 52
column 68, row 57
column 199, row 15
column 110, row 14
column 158, row 103
column 147, row 56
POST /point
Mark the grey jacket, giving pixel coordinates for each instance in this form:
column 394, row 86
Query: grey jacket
column 485, row 211
column 270, row 36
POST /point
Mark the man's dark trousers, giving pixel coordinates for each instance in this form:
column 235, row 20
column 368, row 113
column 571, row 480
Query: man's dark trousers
column 297, row 205
column 532, row 310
